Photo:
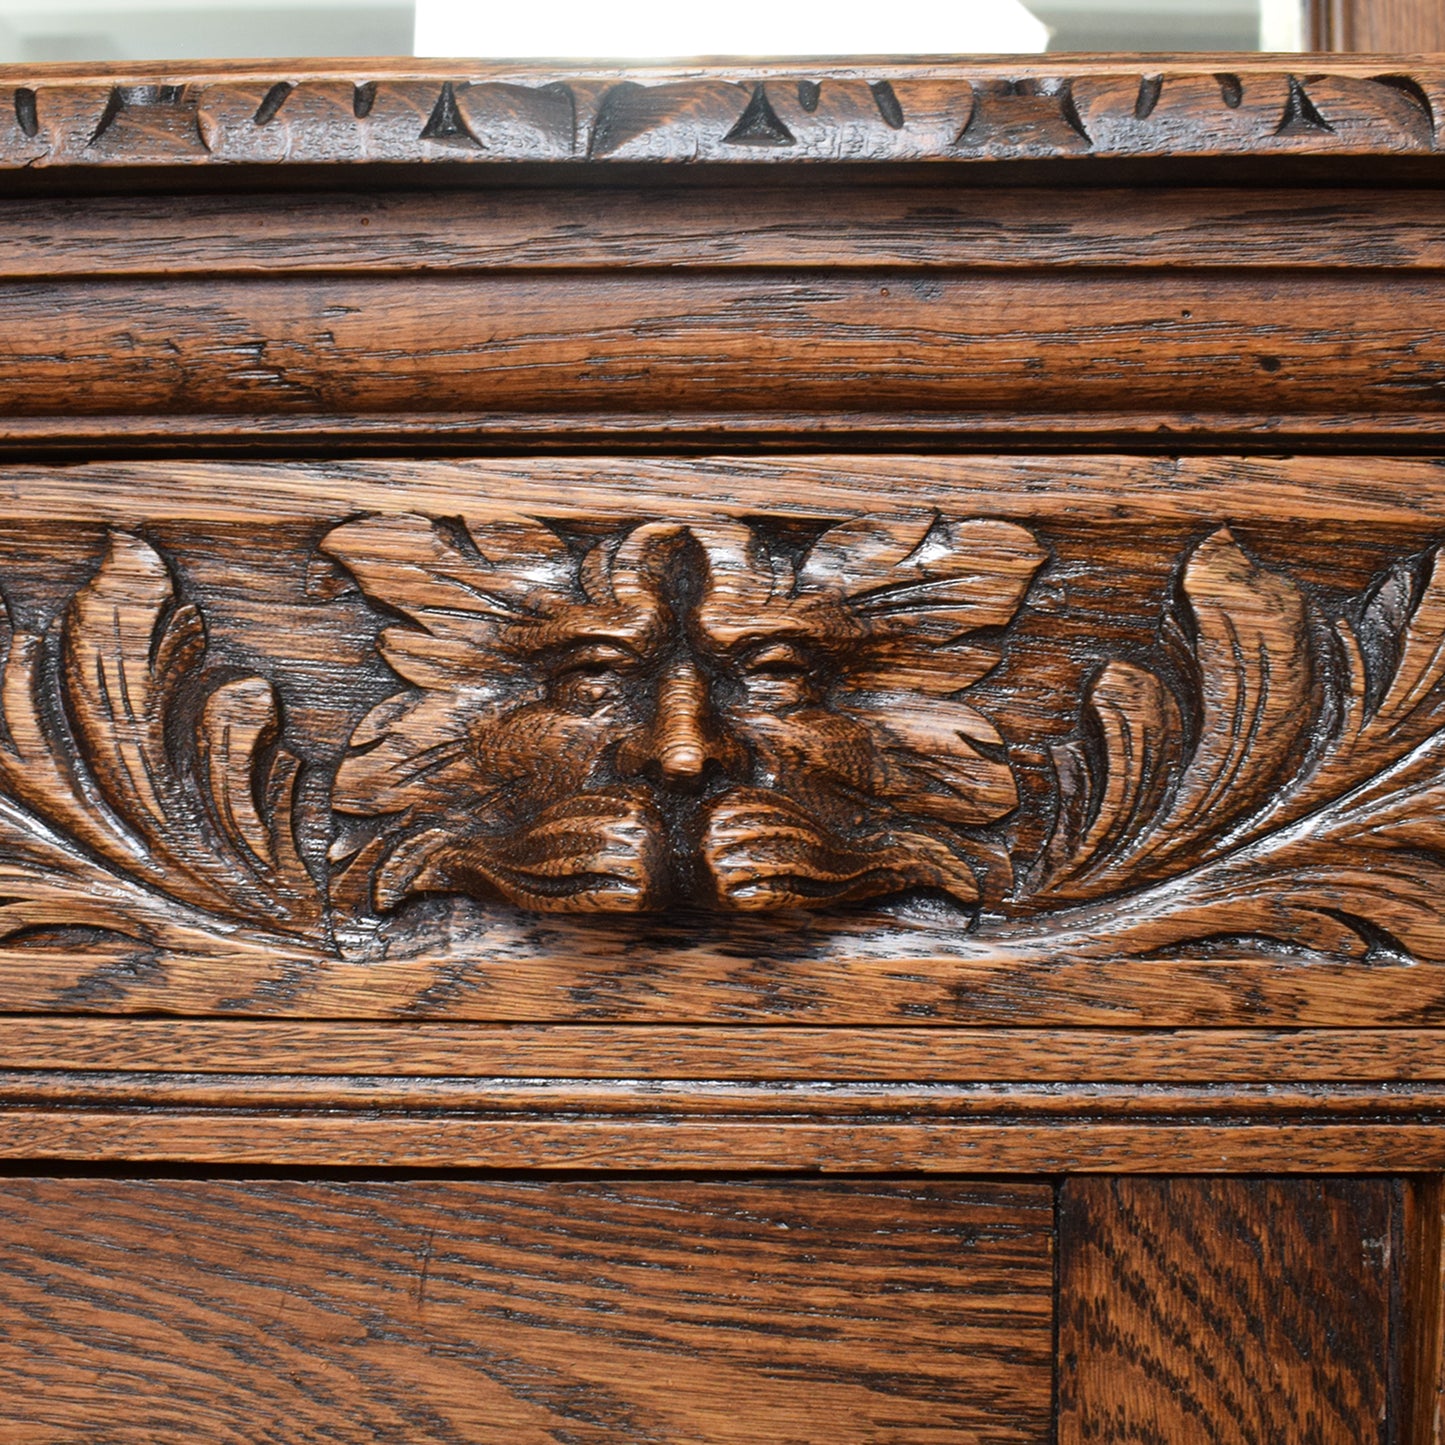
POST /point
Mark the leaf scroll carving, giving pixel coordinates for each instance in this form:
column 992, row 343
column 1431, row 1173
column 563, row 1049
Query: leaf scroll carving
column 1308, row 808
column 139, row 795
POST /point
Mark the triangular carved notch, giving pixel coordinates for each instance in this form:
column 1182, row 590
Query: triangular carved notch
column 759, row 125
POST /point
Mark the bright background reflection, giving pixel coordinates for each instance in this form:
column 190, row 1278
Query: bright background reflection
column 81, row 30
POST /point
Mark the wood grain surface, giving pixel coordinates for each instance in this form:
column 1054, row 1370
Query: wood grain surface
column 1422, row 1354
column 410, row 1049
column 489, row 355
column 247, row 1136
column 1239, row 1311
column 413, row 1095
column 1381, row 26
column 830, row 226
column 435, row 1311
column 1154, row 318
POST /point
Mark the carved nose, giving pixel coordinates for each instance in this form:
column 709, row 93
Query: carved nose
column 684, row 736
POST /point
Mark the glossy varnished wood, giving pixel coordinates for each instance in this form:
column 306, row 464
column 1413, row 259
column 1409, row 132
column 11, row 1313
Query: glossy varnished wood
column 723, row 771
column 410, row 1049
column 1422, row 1352
column 1071, row 587
column 1376, row 25
column 623, row 1311
column 693, row 226
column 1239, row 1311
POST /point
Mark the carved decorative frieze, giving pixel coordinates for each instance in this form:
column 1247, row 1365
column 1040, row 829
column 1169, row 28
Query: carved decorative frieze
column 720, row 716
column 905, row 112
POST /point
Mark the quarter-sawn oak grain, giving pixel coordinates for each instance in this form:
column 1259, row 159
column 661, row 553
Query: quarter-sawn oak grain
column 383, row 747
column 1227, row 1312
column 460, row 1312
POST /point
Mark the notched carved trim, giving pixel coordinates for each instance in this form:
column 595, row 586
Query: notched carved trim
column 908, row 113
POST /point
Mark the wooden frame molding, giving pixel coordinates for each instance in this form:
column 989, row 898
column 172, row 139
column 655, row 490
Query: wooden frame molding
column 779, row 114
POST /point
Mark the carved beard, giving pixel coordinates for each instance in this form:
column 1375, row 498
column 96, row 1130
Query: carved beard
column 603, row 851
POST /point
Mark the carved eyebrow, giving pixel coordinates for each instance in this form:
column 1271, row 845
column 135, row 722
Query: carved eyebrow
column 775, row 650
column 596, row 649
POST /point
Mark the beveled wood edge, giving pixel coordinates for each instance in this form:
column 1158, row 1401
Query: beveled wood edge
column 98, row 1136
column 26, row 438
column 451, row 113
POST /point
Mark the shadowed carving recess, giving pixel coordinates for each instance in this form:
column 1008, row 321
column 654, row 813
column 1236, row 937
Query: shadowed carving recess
column 721, row 717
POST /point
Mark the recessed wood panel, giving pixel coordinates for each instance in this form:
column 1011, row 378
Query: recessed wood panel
column 176, row 1311
column 1229, row 1312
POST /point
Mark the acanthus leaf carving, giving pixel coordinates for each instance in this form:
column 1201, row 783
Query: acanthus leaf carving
column 1310, row 810
column 162, row 792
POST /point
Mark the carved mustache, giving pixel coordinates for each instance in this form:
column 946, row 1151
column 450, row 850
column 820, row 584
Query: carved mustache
column 607, row 851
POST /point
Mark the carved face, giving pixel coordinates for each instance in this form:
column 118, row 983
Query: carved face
column 701, row 713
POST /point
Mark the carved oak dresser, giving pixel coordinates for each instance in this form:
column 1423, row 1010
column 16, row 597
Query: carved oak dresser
column 723, row 755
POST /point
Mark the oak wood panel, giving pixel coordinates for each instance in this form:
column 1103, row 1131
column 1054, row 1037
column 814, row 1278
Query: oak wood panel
column 418, row 232
column 525, row 1311
column 1240, row 1311
column 1380, row 495
column 555, row 981
column 977, row 346
column 1393, row 1102
column 1422, row 1356
column 659, row 1051
column 312, row 602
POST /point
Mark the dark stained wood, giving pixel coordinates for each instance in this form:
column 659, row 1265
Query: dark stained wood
column 828, row 226
column 245, row 1137
column 1422, row 1355
column 1085, row 763
column 1378, row 26
column 525, row 1311
column 819, row 727
column 1201, row 1312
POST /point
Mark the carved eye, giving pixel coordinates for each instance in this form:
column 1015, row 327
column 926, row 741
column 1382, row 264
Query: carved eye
column 592, row 675
column 778, row 674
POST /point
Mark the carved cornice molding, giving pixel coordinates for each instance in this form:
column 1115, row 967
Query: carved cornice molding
column 1209, row 107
